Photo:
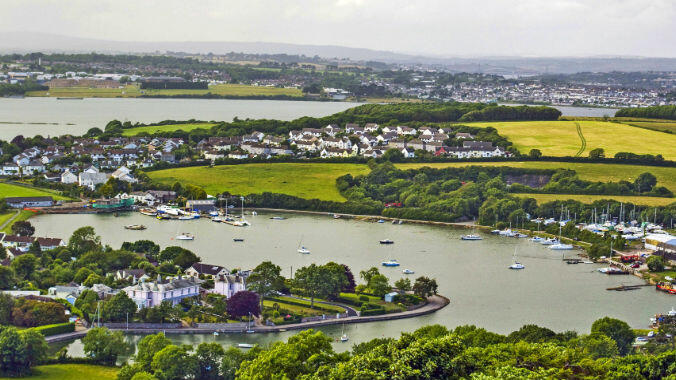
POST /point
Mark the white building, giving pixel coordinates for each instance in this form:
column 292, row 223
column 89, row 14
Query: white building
column 68, row 177
column 228, row 285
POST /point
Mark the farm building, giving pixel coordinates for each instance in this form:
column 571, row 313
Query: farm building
column 21, row 202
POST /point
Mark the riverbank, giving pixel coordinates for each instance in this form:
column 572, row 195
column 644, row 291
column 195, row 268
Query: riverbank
column 434, row 303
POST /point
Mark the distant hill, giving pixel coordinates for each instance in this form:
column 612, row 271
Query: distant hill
column 11, row 42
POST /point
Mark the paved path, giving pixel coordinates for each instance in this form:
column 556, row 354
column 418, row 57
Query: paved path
column 434, row 303
column 2, row 227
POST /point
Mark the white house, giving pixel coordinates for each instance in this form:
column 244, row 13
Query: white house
column 68, row 177
column 90, row 180
column 408, row 153
column 173, row 290
column 198, row 269
column 228, row 285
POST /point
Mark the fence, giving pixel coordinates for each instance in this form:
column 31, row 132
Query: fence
column 138, row 325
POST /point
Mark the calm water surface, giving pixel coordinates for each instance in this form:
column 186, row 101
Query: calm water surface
column 473, row 274
column 50, row 117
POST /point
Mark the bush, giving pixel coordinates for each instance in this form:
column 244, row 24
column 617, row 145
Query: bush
column 364, row 298
column 655, row 263
column 57, row 328
column 365, row 313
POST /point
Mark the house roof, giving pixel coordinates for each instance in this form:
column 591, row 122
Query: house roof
column 18, row 239
column 48, row 242
column 207, row 268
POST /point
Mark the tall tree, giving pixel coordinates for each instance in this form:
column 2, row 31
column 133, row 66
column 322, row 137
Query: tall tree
column 265, row 280
column 242, row 303
column 83, row 240
column 23, row 228
column 208, row 357
column 617, row 330
column 103, row 346
column 118, row 308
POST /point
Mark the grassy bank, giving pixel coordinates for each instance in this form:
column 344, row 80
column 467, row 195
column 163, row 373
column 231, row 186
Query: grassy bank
column 12, row 190
column 309, row 181
column 23, row 215
column 643, row 201
column 560, row 138
column 166, row 128
column 132, row 91
column 71, row 372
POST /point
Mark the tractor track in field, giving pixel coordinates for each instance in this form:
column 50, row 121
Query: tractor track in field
column 584, row 141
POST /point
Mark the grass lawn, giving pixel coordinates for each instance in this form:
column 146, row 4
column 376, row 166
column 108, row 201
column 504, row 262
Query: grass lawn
column 560, row 138
column 166, row 128
column 11, row 190
column 132, row 91
column 591, row 172
column 71, row 372
column 23, row 215
column 309, row 181
column 643, row 201
column 300, row 310
column 5, row 217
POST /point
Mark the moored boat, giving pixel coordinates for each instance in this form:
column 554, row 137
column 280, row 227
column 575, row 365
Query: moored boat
column 135, row 227
column 407, row 271
column 470, row 237
column 386, row 241
column 238, row 239
column 303, row 250
column 666, row 287
column 550, row 241
column 561, row 247
column 517, row 265
column 536, row 239
column 185, row 236
column 390, row 263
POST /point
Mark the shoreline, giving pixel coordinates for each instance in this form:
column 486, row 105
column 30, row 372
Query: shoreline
column 435, row 303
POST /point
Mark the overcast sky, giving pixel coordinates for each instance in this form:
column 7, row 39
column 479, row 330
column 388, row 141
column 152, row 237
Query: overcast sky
column 431, row 27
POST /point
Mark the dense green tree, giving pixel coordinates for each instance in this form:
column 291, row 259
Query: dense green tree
column 148, row 347
column 173, row 363
column 209, row 357
column 23, row 228
column 597, row 153
column 535, row 153
column 403, row 284
column 301, row 355
column 425, row 287
column 118, row 308
column 319, row 281
column 82, row 274
column 6, row 306
column 7, row 279
column 532, row 334
column 379, row 285
column 24, row 265
column 655, row 263
column 645, row 182
column 265, row 280
column 597, row 346
column 87, row 301
column 84, row 239
column 617, row 330
column 103, row 346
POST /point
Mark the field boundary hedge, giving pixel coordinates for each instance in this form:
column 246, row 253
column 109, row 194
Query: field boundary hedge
column 54, row 329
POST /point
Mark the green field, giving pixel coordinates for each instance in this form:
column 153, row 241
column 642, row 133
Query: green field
column 71, row 372
column 317, row 180
column 662, row 126
column 302, row 180
column 10, row 190
column 23, row 215
column 591, row 172
column 166, row 128
column 132, row 91
column 643, row 201
column 560, row 138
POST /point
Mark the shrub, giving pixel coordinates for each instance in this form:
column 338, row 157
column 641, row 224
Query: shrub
column 364, row 298
column 655, row 263
column 57, row 328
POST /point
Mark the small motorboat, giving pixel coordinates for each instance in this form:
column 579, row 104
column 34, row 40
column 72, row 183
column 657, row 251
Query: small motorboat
column 238, row 239
column 381, row 221
column 278, row 218
column 148, row 212
column 508, row 233
column 245, row 345
column 400, row 222
column 672, row 312
column 386, row 241
column 254, row 213
column 536, row 239
column 495, row 232
column 520, row 235
column 550, row 241
column 213, row 213
column 471, row 237
column 303, row 250
column 216, row 333
column 407, row 271
column 135, row 227
column 517, row 265
column 336, row 216
column 390, row 263
column 561, row 247
column 185, row 236
column 344, row 338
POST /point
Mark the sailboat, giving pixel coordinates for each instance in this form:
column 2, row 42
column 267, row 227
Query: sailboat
column 301, row 248
column 516, row 265
column 560, row 246
column 344, row 337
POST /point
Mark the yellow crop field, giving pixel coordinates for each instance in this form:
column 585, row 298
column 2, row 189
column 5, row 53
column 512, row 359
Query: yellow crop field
column 561, row 138
column 643, row 201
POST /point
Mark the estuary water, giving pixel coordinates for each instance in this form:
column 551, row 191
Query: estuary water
column 473, row 274
column 50, row 116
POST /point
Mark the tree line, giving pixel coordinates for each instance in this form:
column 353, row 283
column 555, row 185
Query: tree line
column 654, row 112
